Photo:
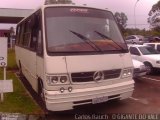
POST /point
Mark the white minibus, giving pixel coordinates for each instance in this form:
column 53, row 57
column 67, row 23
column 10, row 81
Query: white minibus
column 74, row 55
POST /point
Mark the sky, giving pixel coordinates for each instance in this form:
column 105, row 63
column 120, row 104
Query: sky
column 142, row 8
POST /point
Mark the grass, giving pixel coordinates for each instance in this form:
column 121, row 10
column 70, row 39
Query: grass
column 11, row 59
column 18, row 101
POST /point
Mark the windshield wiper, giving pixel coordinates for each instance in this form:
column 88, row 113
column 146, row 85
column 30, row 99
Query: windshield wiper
column 106, row 37
column 95, row 47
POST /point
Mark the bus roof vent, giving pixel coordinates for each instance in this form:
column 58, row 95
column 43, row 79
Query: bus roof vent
column 47, row 2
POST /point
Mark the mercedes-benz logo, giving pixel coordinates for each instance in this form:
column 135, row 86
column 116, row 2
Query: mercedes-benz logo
column 98, row 76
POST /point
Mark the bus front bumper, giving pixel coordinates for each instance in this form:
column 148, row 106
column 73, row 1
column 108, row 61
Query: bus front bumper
column 56, row 101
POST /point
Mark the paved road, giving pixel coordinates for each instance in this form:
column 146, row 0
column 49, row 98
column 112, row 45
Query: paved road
column 145, row 99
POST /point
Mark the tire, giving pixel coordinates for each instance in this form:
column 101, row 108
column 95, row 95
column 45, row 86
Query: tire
column 20, row 70
column 40, row 90
column 41, row 95
column 149, row 68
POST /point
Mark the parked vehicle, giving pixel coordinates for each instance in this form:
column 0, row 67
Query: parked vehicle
column 74, row 55
column 135, row 39
column 147, row 39
column 155, row 45
column 146, row 54
column 155, row 39
column 139, row 69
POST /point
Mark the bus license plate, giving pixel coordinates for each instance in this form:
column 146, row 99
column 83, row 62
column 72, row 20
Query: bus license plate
column 99, row 100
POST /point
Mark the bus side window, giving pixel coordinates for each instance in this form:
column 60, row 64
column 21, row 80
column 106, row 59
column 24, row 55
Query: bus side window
column 40, row 45
column 39, row 36
column 27, row 33
column 17, row 35
column 36, row 34
column 21, row 34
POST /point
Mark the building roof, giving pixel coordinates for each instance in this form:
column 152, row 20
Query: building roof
column 10, row 15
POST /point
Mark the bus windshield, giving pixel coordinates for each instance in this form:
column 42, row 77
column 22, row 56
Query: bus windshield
column 76, row 29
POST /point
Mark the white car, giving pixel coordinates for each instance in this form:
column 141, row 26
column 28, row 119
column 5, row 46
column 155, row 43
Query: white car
column 146, row 54
column 135, row 39
column 139, row 69
column 155, row 45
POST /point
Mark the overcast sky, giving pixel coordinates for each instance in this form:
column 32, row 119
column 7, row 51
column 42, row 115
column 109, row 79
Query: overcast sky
column 127, row 6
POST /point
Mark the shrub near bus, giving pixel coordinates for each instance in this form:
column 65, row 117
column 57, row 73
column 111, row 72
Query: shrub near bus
column 74, row 55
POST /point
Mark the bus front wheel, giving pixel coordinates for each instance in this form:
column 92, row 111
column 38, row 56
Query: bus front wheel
column 41, row 94
column 40, row 89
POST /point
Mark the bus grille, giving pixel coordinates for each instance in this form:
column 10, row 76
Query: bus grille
column 88, row 76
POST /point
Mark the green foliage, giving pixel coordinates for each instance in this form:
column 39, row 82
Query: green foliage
column 12, row 31
column 11, row 60
column 18, row 101
column 132, row 31
column 155, row 32
column 155, row 7
column 153, row 22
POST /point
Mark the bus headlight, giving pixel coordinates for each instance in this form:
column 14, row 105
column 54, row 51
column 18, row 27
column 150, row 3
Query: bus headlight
column 63, row 79
column 54, row 79
column 57, row 79
column 127, row 72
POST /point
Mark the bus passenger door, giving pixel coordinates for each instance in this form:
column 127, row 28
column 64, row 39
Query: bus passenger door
column 36, row 44
column 39, row 57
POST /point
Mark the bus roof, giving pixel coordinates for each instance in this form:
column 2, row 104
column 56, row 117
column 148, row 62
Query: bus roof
column 60, row 5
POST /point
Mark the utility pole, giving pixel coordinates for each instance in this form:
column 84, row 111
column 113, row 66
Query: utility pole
column 135, row 15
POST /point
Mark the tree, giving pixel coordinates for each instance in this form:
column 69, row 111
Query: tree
column 143, row 32
column 12, row 31
column 155, row 7
column 121, row 19
column 154, row 17
column 10, row 37
column 58, row 2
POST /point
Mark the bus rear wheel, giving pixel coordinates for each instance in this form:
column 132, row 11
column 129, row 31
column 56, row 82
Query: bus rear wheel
column 20, row 70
